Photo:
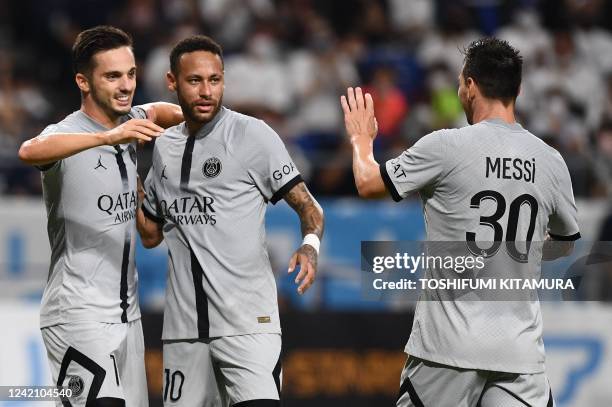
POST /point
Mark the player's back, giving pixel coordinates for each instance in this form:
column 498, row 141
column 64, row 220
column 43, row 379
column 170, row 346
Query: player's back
column 492, row 186
column 498, row 182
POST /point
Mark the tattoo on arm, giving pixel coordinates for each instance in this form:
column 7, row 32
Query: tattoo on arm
column 307, row 208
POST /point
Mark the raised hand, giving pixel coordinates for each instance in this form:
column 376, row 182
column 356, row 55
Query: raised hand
column 359, row 119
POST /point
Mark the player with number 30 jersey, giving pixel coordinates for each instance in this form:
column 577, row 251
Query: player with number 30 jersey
column 483, row 184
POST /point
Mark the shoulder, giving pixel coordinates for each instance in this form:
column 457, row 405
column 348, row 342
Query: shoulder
column 444, row 134
column 248, row 124
column 137, row 112
column 438, row 139
column 551, row 154
column 557, row 162
column 547, row 149
column 72, row 123
column 171, row 135
column 248, row 133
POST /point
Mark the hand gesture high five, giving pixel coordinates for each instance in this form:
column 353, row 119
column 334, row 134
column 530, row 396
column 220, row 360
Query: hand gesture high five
column 359, row 118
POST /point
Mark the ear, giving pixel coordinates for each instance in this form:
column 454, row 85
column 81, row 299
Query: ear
column 82, row 82
column 472, row 88
column 171, row 81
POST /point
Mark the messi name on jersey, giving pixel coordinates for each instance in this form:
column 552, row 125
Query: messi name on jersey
column 190, row 210
column 121, row 206
column 511, row 168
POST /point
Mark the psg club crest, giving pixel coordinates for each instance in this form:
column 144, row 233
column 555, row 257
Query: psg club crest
column 211, row 167
column 76, row 385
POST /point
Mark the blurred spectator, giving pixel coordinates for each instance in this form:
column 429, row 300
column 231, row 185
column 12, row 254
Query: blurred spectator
column 607, row 108
column 443, row 45
column 22, row 107
column 526, row 34
column 233, row 21
column 603, row 158
column 390, row 105
column 411, row 16
column 318, row 74
column 445, row 105
column 604, row 260
column 374, row 22
column 287, row 62
column 157, row 65
column 257, row 82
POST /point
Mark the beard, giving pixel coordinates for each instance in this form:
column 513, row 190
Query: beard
column 189, row 110
column 107, row 105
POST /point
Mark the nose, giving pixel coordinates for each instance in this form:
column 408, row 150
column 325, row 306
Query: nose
column 127, row 83
column 205, row 90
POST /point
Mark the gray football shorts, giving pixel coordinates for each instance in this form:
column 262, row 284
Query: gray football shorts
column 98, row 360
column 222, row 371
column 427, row 384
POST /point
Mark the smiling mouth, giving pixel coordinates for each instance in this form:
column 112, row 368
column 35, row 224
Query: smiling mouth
column 123, row 99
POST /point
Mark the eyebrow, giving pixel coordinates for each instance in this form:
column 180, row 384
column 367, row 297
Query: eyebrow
column 198, row 76
column 115, row 72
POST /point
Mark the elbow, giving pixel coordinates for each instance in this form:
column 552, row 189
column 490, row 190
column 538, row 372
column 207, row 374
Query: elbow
column 28, row 154
column 147, row 244
column 178, row 115
column 150, row 239
column 366, row 191
column 150, row 243
column 370, row 184
column 25, row 154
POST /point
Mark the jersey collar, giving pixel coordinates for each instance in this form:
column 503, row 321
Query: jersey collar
column 500, row 122
column 208, row 127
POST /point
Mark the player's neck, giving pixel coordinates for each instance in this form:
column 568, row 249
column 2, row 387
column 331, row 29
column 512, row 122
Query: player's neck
column 94, row 111
column 494, row 109
column 194, row 126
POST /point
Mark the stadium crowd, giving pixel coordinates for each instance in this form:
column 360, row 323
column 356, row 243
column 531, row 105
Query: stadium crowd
column 288, row 62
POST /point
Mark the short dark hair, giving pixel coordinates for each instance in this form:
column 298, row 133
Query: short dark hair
column 192, row 44
column 495, row 66
column 94, row 40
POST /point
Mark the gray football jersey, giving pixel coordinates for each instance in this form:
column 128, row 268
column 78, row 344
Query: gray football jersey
column 91, row 203
column 489, row 182
column 210, row 191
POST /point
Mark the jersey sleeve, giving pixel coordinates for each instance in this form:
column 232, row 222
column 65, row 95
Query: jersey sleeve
column 150, row 206
column 52, row 128
column 563, row 222
column 419, row 166
column 137, row 112
column 267, row 161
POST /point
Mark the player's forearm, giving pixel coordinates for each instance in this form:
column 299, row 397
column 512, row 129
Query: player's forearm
column 54, row 147
column 312, row 219
column 150, row 232
column 366, row 170
column 308, row 210
column 164, row 114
